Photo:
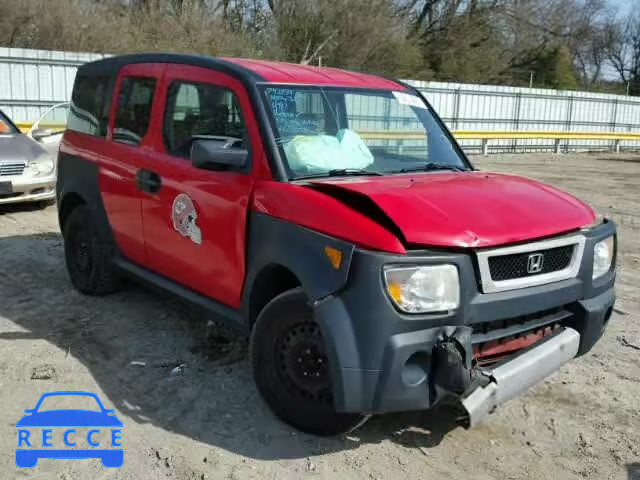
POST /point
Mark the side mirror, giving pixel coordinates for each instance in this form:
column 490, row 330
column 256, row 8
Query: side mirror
column 40, row 133
column 217, row 154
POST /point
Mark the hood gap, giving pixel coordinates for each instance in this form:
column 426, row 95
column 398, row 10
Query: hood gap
column 362, row 204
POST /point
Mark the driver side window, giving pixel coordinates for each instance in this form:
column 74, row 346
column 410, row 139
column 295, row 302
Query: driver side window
column 199, row 110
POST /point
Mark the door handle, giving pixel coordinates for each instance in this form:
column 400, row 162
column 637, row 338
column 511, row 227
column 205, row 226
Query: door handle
column 148, row 181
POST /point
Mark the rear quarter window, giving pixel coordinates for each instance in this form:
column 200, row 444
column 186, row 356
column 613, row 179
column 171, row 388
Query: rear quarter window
column 90, row 104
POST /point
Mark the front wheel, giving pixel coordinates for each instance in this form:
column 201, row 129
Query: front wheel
column 291, row 368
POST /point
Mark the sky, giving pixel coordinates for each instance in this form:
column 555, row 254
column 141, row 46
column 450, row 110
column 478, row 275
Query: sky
column 625, row 6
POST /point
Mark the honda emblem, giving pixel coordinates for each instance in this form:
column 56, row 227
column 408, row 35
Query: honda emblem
column 535, row 262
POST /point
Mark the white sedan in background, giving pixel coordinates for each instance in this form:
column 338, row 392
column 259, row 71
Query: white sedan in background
column 28, row 161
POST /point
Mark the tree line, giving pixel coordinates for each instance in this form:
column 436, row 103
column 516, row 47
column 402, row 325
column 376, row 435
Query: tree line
column 565, row 44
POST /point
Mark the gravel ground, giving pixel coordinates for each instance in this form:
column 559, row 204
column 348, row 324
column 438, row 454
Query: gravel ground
column 191, row 411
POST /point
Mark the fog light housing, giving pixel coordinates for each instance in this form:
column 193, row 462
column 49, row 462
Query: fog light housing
column 432, row 288
column 602, row 257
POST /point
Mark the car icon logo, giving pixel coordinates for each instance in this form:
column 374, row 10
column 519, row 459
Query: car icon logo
column 37, row 439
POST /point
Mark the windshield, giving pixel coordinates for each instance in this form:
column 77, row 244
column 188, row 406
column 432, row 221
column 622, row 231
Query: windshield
column 333, row 131
column 5, row 125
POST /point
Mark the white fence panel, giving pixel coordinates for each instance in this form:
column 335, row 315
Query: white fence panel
column 33, row 80
column 494, row 108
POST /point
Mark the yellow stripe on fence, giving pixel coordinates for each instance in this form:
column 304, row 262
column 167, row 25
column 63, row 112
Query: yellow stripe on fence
column 26, row 126
column 484, row 135
column 509, row 135
column 500, row 135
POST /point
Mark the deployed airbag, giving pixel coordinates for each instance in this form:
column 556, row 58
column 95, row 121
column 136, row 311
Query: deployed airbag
column 311, row 153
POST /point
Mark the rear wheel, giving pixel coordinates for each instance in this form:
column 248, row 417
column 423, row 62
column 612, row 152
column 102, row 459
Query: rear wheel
column 291, row 368
column 88, row 255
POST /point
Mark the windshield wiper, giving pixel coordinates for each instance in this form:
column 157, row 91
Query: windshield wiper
column 427, row 167
column 340, row 172
column 343, row 172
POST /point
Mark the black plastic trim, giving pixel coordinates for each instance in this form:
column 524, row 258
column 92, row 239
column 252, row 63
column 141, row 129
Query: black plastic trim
column 79, row 177
column 274, row 242
column 230, row 316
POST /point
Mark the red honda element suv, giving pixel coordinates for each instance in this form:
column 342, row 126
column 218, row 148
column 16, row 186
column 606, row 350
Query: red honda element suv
column 331, row 216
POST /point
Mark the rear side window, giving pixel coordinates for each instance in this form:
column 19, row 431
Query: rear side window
column 133, row 111
column 199, row 110
column 90, row 104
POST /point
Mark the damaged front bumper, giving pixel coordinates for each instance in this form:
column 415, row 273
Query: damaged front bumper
column 523, row 370
column 383, row 360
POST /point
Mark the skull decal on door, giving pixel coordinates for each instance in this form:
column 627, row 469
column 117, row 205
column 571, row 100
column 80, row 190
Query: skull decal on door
column 184, row 216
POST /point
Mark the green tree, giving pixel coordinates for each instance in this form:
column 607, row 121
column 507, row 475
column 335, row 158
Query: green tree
column 563, row 74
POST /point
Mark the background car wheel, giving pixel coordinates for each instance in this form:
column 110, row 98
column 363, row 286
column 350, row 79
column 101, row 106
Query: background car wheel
column 88, row 255
column 46, row 203
column 291, row 368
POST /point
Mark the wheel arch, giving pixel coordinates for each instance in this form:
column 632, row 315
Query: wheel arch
column 78, row 184
column 67, row 204
column 282, row 256
column 277, row 249
column 272, row 280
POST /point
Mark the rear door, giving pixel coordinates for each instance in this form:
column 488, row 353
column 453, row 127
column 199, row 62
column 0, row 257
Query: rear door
column 195, row 223
column 128, row 146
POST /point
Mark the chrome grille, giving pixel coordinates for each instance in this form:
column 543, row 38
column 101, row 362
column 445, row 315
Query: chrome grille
column 509, row 268
column 14, row 168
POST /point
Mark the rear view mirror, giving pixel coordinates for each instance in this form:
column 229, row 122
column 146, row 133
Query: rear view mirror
column 218, row 154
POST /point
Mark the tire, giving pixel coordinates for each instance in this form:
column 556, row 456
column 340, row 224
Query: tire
column 43, row 204
column 291, row 368
column 88, row 254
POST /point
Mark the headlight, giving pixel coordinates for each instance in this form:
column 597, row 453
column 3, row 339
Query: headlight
column 433, row 288
column 42, row 165
column 602, row 257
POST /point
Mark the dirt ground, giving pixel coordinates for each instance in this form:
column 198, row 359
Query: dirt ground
column 191, row 410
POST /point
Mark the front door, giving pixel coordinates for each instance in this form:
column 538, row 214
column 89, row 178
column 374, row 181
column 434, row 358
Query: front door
column 195, row 223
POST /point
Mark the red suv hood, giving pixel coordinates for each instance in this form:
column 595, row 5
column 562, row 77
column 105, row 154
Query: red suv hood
column 473, row 209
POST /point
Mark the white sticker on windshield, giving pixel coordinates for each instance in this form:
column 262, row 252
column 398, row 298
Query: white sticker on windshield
column 408, row 99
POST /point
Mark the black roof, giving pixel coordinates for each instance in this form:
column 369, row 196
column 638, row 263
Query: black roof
column 111, row 65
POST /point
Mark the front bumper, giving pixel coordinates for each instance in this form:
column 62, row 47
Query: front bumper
column 383, row 360
column 523, row 370
column 29, row 189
